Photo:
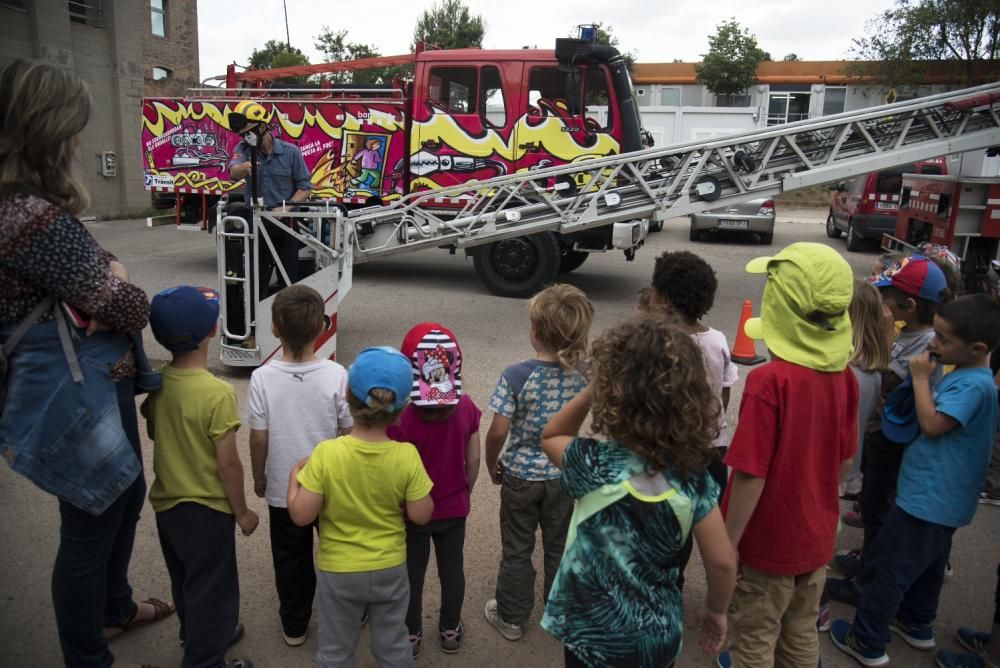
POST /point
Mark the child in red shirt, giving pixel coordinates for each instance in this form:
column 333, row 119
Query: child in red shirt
column 795, row 440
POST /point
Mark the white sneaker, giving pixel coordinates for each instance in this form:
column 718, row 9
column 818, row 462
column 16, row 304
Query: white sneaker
column 506, row 629
column 988, row 500
column 294, row 641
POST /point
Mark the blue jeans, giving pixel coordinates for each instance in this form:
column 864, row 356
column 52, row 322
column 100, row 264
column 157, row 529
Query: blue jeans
column 90, row 587
column 903, row 574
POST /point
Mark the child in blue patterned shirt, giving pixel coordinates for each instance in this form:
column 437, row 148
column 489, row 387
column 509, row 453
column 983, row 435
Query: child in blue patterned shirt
column 526, row 396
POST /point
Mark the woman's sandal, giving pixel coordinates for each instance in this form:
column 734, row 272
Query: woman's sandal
column 161, row 610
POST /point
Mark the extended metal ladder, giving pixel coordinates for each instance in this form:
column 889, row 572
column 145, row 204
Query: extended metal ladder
column 685, row 178
column 659, row 182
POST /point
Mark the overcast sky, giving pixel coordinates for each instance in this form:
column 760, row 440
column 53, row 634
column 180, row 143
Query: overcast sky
column 673, row 29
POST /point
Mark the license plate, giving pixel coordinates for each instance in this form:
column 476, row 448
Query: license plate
column 731, row 224
column 886, row 205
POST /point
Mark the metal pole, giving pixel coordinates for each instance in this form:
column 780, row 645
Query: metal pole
column 288, row 37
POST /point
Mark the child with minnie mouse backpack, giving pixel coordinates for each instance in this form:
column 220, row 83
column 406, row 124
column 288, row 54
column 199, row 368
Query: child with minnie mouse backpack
column 443, row 423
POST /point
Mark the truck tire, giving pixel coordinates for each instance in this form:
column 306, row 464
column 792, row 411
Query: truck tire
column 518, row 267
column 656, row 226
column 694, row 234
column 854, row 242
column 831, row 226
column 572, row 260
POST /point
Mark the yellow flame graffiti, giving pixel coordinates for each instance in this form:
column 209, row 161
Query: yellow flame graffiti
column 548, row 133
column 218, row 112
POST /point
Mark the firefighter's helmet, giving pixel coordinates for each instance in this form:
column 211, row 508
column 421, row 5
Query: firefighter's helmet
column 254, row 112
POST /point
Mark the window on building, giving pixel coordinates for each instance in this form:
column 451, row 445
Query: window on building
column 161, row 73
column 88, row 12
column 834, row 100
column 158, row 17
column 453, row 90
column 785, row 107
column 732, row 100
column 670, row 97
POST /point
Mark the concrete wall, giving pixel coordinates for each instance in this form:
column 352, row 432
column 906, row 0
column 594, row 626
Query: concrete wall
column 108, row 53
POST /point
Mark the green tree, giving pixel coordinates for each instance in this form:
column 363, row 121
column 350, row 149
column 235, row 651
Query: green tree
column 791, row 58
column 277, row 54
column 730, row 66
column 449, row 25
column 335, row 48
column 604, row 35
column 905, row 42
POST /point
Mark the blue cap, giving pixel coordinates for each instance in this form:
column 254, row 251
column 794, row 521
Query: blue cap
column 899, row 414
column 383, row 368
column 182, row 317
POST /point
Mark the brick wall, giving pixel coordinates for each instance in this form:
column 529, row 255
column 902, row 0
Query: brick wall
column 116, row 60
column 177, row 51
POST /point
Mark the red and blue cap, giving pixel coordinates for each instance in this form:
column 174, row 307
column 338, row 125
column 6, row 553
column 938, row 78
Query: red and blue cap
column 182, row 317
column 916, row 276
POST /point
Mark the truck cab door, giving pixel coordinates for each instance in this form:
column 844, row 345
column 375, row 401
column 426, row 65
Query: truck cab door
column 466, row 107
column 562, row 125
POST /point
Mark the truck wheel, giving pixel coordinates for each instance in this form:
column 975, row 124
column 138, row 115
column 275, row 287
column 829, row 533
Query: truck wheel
column 831, row 226
column 854, row 242
column 572, row 260
column 518, row 267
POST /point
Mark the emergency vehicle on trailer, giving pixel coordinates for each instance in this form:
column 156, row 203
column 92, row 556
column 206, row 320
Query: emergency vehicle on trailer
column 960, row 211
column 514, row 224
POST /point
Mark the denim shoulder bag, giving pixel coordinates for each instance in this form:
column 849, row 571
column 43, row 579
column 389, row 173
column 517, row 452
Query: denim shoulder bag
column 60, row 426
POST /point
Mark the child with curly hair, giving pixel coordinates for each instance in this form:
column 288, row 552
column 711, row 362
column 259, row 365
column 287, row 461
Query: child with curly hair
column 684, row 285
column 640, row 490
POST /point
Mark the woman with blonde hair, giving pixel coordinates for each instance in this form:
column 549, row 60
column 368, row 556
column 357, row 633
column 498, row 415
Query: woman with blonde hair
column 50, row 265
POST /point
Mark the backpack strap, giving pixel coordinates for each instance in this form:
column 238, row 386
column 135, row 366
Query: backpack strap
column 26, row 324
column 64, row 336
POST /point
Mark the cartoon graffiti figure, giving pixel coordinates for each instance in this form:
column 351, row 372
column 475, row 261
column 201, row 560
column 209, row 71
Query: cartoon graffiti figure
column 436, row 372
column 371, row 160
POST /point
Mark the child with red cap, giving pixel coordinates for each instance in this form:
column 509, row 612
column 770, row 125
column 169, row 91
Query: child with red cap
column 443, row 423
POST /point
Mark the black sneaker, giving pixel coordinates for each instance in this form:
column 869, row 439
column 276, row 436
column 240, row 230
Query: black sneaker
column 415, row 640
column 843, row 590
column 451, row 639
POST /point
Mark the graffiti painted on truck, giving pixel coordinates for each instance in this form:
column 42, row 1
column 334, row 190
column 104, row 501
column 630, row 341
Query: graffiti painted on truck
column 363, row 150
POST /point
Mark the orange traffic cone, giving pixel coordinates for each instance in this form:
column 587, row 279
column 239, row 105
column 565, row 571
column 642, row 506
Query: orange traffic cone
column 744, row 352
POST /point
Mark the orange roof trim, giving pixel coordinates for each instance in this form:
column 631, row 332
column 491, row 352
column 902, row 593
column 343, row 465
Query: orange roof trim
column 781, row 72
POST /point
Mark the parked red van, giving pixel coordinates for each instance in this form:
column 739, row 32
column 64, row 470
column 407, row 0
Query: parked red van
column 866, row 206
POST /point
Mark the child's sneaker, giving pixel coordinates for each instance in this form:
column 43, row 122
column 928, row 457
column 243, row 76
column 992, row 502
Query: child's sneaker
column 451, row 639
column 848, row 562
column 989, row 500
column 506, row 629
column 415, row 643
column 946, row 659
column 723, row 660
column 949, row 572
column 825, row 618
column 973, row 640
column 848, row 643
column 843, row 591
column 853, row 519
column 294, row 641
column 917, row 637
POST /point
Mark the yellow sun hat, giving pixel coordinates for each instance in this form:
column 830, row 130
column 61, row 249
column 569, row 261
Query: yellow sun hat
column 803, row 317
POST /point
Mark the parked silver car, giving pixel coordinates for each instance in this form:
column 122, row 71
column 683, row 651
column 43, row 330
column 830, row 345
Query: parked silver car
column 757, row 215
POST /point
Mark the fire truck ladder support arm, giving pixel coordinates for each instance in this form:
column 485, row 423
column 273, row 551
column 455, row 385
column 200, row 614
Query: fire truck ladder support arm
column 681, row 179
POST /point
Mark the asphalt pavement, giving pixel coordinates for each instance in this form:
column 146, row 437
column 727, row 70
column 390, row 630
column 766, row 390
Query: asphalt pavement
column 387, row 298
